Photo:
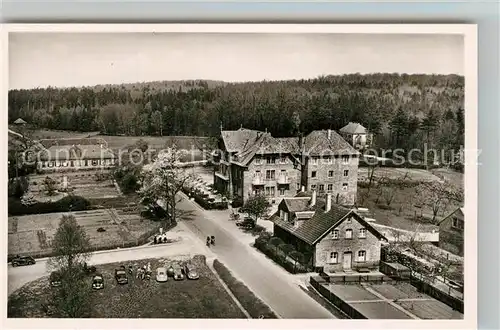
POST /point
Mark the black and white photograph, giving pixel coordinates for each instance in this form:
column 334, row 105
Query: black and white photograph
column 240, row 172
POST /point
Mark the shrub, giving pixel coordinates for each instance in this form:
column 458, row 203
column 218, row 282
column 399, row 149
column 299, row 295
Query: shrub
column 253, row 305
column 100, row 229
column 270, row 246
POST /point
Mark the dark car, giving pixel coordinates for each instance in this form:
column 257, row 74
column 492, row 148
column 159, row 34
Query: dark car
column 178, row 276
column 98, row 282
column 88, row 268
column 191, row 272
column 23, row 261
column 121, row 275
column 246, row 223
column 55, row 279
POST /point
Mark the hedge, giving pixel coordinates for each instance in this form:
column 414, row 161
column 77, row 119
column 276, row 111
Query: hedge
column 253, row 305
column 262, row 244
column 65, row 204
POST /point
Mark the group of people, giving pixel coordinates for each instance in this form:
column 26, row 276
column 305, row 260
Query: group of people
column 143, row 272
column 210, row 240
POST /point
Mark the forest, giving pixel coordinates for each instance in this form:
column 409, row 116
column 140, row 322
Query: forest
column 403, row 111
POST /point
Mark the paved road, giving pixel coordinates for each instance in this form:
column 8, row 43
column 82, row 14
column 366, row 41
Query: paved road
column 18, row 276
column 260, row 275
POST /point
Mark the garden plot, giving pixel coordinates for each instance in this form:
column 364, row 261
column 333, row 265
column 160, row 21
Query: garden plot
column 32, row 234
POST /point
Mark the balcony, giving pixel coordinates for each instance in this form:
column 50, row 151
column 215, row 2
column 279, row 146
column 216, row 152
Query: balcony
column 257, row 181
column 283, row 179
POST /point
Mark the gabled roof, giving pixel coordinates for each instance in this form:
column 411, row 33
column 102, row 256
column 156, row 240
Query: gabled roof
column 353, row 128
column 315, row 228
column 460, row 209
column 317, row 143
column 237, row 141
column 19, row 121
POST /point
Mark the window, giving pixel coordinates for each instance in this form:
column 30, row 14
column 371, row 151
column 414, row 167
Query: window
column 273, row 191
column 282, row 192
column 346, row 172
column 334, row 257
column 313, row 187
column 271, row 160
column 313, row 174
column 330, row 174
column 329, row 160
column 283, row 160
column 268, row 191
column 348, row 233
column 345, row 159
column 283, row 172
column 344, row 186
column 457, row 223
column 298, row 186
column 314, row 161
column 258, row 161
column 285, row 216
column 335, row 234
column 330, row 187
column 321, row 187
column 362, row 233
column 257, row 174
column 270, row 174
column 361, row 256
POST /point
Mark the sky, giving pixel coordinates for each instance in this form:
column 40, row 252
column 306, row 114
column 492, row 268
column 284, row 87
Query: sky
column 87, row 59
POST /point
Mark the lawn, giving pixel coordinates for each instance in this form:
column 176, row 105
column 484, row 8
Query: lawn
column 32, row 234
column 154, row 142
column 202, row 298
column 401, row 211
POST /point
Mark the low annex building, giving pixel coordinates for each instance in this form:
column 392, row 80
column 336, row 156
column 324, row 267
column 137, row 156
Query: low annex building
column 451, row 232
column 336, row 238
column 75, row 154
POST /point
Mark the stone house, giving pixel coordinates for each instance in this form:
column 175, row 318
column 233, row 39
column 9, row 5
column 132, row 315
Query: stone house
column 331, row 237
column 451, row 232
column 251, row 162
column 357, row 135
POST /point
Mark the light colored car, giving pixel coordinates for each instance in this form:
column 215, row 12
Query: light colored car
column 161, row 274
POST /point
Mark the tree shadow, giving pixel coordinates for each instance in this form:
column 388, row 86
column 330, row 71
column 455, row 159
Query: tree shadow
column 185, row 215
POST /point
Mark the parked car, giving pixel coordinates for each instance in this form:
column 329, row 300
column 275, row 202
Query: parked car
column 161, row 274
column 247, row 223
column 170, row 271
column 191, row 272
column 55, row 279
column 98, row 282
column 121, row 275
column 178, row 276
column 23, row 261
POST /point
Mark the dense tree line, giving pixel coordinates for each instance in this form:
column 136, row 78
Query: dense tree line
column 404, row 111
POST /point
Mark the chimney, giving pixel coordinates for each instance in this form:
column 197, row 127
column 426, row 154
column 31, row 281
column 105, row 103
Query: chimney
column 303, row 189
column 313, row 198
column 329, row 134
column 328, row 205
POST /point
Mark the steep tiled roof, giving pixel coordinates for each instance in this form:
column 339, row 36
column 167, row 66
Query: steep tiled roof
column 353, row 128
column 317, row 143
column 311, row 230
column 237, row 141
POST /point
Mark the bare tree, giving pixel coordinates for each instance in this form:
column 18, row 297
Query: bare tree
column 437, row 196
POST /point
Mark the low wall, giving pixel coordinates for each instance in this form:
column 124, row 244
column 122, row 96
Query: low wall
column 318, row 282
column 438, row 294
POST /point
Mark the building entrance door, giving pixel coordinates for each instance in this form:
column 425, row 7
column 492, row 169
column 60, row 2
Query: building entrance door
column 347, row 260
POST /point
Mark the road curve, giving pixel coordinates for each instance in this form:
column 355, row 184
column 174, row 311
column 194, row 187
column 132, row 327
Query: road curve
column 285, row 298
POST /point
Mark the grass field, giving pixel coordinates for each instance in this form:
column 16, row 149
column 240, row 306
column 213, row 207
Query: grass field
column 202, row 298
column 401, row 211
column 32, row 234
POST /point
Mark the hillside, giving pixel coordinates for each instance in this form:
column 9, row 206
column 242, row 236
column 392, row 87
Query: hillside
column 404, row 111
